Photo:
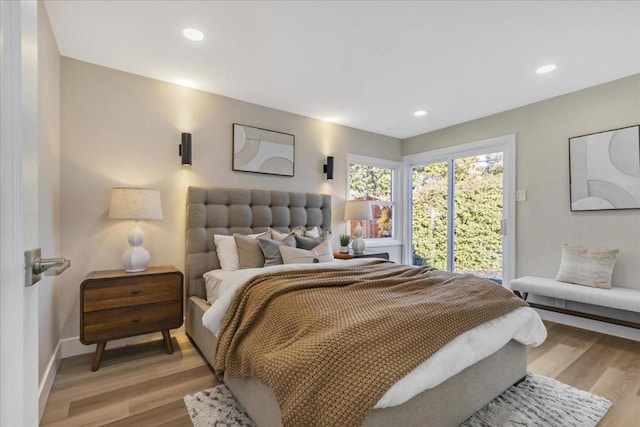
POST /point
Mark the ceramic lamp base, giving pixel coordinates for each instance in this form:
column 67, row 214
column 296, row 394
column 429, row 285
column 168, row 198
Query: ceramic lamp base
column 136, row 258
column 358, row 245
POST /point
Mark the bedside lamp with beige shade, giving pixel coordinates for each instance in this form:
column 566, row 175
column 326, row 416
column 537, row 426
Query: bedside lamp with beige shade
column 358, row 210
column 136, row 204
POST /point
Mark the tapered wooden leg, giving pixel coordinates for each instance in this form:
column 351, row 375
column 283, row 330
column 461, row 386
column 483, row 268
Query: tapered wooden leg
column 97, row 357
column 167, row 341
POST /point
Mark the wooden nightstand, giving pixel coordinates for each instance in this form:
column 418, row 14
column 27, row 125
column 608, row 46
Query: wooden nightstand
column 351, row 255
column 115, row 304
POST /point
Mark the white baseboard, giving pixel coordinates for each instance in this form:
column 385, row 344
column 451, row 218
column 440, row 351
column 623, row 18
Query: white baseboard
column 73, row 347
column 47, row 380
column 590, row 324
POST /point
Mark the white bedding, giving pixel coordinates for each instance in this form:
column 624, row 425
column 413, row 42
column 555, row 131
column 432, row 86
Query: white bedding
column 523, row 325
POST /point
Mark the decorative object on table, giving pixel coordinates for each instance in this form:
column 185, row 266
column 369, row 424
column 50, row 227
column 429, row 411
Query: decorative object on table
column 328, row 168
column 114, row 304
column 263, row 151
column 358, row 210
column 184, row 149
column 344, row 243
column 605, row 170
column 531, row 402
column 136, row 204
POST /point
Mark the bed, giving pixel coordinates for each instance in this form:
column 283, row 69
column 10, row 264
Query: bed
column 227, row 211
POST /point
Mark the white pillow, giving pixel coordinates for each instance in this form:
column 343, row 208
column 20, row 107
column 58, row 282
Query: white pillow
column 321, row 253
column 587, row 266
column 212, row 285
column 314, row 232
column 228, row 251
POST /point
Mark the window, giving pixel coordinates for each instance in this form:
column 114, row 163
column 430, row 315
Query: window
column 373, row 179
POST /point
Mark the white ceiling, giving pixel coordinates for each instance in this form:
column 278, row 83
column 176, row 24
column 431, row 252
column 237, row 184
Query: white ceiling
column 370, row 64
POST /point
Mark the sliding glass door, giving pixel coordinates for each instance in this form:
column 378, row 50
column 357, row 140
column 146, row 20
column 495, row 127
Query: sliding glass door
column 477, row 239
column 458, row 213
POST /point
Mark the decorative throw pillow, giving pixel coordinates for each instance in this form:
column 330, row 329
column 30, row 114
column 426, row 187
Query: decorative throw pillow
column 587, row 266
column 308, row 243
column 249, row 252
column 271, row 249
column 299, row 230
column 227, row 252
column 321, row 253
column 278, row 236
column 314, row 232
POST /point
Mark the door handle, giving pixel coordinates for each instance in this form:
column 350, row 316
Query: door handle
column 35, row 266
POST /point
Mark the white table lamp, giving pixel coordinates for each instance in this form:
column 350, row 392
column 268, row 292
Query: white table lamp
column 358, row 210
column 136, row 204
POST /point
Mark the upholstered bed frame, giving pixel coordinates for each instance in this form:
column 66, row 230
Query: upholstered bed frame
column 226, row 211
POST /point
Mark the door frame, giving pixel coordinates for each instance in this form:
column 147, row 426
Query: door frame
column 506, row 144
column 18, row 212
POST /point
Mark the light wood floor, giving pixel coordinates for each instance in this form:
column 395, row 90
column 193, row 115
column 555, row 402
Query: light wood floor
column 143, row 386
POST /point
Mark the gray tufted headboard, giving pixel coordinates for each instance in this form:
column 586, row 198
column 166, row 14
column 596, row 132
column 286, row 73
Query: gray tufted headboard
column 232, row 210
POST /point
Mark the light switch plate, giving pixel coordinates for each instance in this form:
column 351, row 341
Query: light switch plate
column 521, row 195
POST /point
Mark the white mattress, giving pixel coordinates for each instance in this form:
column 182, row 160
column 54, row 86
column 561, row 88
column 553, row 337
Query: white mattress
column 523, row 325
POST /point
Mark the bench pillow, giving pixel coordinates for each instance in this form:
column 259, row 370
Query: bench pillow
column 587, row 266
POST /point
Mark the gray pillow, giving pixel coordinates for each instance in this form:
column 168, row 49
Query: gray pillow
column 271, row 249
column 249, row 252
column 308, row 243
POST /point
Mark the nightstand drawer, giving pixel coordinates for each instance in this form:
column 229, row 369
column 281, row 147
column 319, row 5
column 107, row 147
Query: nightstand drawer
column 125, row 292
column 106, row 325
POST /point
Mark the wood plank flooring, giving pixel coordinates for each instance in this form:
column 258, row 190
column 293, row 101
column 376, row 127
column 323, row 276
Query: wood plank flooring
column 143, row 386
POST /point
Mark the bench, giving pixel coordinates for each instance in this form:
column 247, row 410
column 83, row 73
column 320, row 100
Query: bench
column 616, row 298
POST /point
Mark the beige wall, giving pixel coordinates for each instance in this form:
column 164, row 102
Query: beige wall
column 48, row 184
column 544, row 220
column 123, row 129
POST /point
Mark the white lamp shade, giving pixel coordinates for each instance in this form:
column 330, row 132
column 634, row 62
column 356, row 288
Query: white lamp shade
column 358, row 210
column 135, row 203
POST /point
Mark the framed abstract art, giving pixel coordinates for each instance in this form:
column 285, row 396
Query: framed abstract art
column 605, row 170
column 263, row 151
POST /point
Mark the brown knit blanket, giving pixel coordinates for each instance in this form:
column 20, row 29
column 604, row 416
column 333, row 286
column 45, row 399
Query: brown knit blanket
column 331, row 342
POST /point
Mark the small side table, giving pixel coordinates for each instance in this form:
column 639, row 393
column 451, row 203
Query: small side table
column 116, row 304
column 351, row 255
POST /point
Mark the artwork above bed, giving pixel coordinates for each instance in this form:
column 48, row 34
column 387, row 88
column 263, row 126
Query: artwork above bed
column 263, row 151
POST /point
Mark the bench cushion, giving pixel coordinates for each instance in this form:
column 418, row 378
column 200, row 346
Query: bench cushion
column 619, row 298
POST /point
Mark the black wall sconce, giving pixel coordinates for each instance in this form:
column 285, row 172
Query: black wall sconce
column 328, row 168
column 184, row 149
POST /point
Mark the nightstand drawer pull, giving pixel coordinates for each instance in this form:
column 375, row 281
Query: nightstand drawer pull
column 135, row 320
column 135, row 292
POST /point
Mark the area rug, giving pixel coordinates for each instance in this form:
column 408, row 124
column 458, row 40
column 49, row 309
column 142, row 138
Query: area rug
column 536, row 401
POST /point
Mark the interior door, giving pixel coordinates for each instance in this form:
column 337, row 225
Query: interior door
column 18, row 212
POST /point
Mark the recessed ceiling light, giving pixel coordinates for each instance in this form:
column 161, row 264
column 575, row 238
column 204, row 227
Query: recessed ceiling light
column 193, row 34
column 420, row 113
column 330, row 119
column 546, row 68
